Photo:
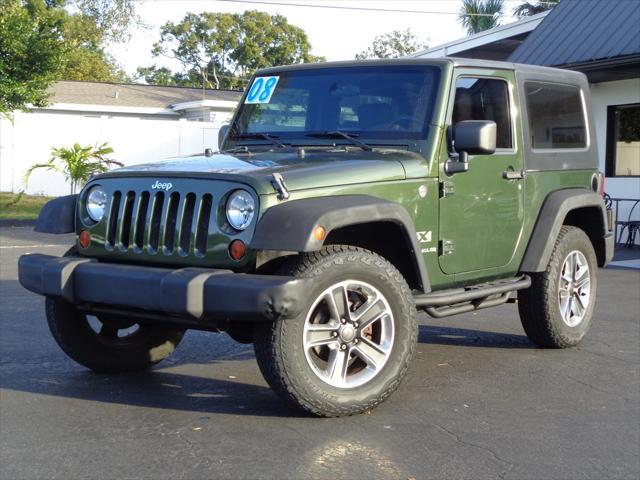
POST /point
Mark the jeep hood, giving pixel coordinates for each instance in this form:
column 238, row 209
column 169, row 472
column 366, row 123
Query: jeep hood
column 316, row 170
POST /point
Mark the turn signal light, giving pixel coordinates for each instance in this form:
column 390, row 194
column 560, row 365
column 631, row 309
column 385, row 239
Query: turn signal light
column 237, row 249
column 84, row 239
column 319, row 233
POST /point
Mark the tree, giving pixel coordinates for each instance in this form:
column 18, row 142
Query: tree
column 114, row 18
column 77, row 164
column 221, row 50
column 155, row 75
column 398, row 43
column 84, row 56
column 42, row 41
column 30, row 53
column 527, row 8
column 479, row 15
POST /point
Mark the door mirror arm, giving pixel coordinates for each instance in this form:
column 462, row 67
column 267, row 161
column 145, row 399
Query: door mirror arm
column 458, row 162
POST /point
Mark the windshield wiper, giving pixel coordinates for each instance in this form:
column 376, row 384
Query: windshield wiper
column 259, row 135
column 339, row 134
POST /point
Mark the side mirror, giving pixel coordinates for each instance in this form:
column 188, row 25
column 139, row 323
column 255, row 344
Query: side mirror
column 476, row 137
column 471, row 137
column 222, row 135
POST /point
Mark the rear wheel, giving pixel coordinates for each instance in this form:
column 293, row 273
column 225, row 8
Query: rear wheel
column 348, row 351
column 557, row 309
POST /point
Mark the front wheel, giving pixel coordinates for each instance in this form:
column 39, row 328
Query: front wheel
column 557, row 309
column 348, row 351
column 109, row 344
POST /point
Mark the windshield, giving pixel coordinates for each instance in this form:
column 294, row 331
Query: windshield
column 368, row 102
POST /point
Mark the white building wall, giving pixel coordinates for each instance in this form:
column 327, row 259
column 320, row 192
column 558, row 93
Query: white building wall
column 32, row 135
column 602, row 95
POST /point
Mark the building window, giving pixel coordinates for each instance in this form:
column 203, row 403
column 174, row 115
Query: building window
column 623, row 140
column 556, row 116
column 484, row 99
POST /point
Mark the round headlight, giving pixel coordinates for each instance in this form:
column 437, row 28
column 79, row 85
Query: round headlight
column 96, row 203
column 240, row 209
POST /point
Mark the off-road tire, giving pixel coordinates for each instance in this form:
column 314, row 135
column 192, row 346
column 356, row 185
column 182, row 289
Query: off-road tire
column 538, row 305
column 74, row 334
column 279, row 346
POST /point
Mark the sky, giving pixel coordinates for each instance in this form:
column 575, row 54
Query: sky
column 336, row 34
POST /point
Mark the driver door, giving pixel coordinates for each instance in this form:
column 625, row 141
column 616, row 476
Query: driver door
column 481, row 211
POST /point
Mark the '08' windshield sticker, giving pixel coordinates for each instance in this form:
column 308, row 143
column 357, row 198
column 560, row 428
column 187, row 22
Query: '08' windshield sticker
column 261, row 90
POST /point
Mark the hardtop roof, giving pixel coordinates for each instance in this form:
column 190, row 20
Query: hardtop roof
column 566, row 75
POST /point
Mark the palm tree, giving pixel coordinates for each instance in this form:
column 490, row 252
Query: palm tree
column 527, row 9
column 479, row 15
column 77, row 164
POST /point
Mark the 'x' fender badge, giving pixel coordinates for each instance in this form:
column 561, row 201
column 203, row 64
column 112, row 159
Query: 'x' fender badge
column 424, row 237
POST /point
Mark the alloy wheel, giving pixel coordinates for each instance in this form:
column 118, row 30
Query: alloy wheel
column 348, row 334
column 574, row 289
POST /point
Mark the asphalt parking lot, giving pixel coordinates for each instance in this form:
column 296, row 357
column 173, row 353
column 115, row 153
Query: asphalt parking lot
column 479, row 402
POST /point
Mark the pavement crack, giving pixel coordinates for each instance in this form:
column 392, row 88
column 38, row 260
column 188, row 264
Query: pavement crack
column 596, row 389
column 612, row 357
column 491, row 452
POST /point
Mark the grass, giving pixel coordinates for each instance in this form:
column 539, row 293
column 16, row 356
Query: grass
column 26, row 208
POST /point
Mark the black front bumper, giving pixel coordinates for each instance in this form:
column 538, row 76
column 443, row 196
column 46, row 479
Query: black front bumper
column 197, row 293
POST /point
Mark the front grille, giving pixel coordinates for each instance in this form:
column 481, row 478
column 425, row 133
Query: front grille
column 158, row 222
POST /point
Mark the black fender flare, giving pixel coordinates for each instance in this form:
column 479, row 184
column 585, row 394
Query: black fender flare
column 550, row 220
column 289, row 226
column 58, row 215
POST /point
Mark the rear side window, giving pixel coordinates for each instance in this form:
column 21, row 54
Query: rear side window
column 556, row 116
column 484, row 99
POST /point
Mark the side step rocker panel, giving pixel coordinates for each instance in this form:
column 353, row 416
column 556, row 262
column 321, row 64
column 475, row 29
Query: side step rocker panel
column 461, row 300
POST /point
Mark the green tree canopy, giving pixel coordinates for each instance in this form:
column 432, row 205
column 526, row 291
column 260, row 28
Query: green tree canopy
column 30, row 53
column 155, row 75
column 113, row 18
column 42, row 41
column 479, row 15
column 398, row 43
column 84, row 56
column 222, row 50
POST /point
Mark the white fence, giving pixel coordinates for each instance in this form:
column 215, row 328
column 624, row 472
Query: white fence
column 29, row 139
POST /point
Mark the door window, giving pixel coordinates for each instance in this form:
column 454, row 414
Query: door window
column 485, row 99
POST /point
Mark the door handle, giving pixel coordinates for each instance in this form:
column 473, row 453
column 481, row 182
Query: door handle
column 511, row 174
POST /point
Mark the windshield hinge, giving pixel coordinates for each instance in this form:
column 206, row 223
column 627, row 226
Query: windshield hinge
column 278, row 184
column 446, row 189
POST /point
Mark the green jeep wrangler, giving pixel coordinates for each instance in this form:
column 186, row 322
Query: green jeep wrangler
column 345, row 198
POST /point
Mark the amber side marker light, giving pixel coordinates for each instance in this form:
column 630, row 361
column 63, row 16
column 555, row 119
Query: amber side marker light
column 84, row 239
column 319, row 233
column 237, row 249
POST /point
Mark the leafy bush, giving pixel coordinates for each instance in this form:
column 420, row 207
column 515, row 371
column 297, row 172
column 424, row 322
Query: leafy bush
column 78, row 164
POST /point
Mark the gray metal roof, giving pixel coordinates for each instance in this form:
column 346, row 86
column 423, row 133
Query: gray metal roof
column 132, row 95
column 580, row 31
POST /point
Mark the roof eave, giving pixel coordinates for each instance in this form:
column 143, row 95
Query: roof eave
column 602, row 64
column 523, row 25
column 207, row 103
column 95, row 108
